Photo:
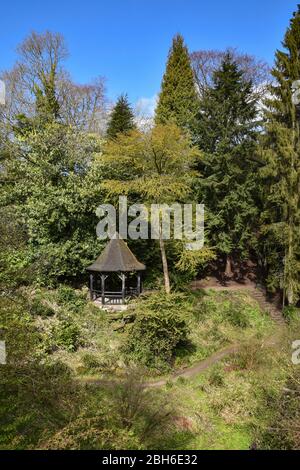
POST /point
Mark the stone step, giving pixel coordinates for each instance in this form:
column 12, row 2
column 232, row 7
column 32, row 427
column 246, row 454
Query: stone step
column 274, row 311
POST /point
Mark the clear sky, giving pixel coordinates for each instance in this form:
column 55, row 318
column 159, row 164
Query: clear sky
column 127, row 41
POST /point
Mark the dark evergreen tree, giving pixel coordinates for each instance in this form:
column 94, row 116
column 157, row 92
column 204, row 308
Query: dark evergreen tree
column 281, row 218
column 178, row 100
column 227, row 135
column 121, row 118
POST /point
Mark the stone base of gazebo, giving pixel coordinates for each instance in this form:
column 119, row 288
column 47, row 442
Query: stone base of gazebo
column 110, row 307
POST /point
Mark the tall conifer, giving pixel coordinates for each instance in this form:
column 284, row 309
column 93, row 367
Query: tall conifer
column 282, row 172
column 227, row 135
column 178, row 100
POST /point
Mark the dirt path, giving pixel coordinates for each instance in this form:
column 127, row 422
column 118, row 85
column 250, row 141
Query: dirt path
column 192, row 371
column 186, row 372
column 197, row 368
column 201, row 366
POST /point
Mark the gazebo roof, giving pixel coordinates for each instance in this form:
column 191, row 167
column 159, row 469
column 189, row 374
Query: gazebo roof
column 115, row 257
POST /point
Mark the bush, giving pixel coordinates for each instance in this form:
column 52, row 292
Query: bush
column 41, row 309
column 157, row 331
column 216, row 376
column 67, row 335
column 91, row 363
column 73, row 300
column 250, row 356
column 291, row 314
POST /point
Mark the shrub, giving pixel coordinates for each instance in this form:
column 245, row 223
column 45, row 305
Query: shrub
column 37, row 307
column 216, row 377
column 91, row 363
column 67, row 335
column 73, row 300
column 147, row 413
column 250, row 356
column 156, row 333
column 291, row 314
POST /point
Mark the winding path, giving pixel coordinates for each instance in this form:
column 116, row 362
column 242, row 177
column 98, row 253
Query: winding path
column 201, row 366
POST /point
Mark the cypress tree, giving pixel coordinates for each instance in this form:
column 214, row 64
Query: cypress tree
column 121, row 119
column 227, row 135
column 178, row 100
column 282, row 171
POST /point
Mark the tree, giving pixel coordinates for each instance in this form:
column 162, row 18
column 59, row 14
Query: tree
column 39, row 89
column 227, row 135
column 82, row 106
column 178, row 100
column 206, row 62
column 121, row 119
column 155, row 165
column 40, row 61
column 47, row 201
column 281, row 143
column 46, row 189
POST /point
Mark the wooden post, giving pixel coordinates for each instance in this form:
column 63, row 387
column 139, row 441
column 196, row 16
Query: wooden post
column 123, row 287
column 103, row 277
column 139, row 285
column 91, row 286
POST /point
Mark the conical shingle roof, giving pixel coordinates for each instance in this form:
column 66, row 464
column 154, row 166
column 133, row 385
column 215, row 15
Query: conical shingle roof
column 116, row 256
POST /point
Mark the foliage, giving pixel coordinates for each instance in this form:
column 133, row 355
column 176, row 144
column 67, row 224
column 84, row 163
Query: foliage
column 190, row 261
column 91, row 363
column 250, row 356
column 50, row 199
column 157, row 166
column 291, row 314
column 236, row 314
column 206, row 62
column 67, row 335
column 158, row 330
column 281, row 144
column 121, row 118
column 227, row 133
column 34, row 407
column 216, row 376
column 178, row 101
column 70, row 298
column 40, row 308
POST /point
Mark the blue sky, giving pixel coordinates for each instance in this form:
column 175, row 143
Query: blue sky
column 127, row 41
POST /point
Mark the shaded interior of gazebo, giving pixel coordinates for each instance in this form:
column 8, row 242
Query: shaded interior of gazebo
column 116, row 275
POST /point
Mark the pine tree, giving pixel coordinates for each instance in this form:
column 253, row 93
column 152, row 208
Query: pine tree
column 178, row 100
column 282, row 172
column 121, row 119
column 227, row 135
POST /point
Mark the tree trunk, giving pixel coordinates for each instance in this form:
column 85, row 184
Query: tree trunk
column 289, row 275
column 228, row 268
column 164, row 262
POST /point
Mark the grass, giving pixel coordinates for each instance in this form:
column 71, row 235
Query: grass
column 213, row 326
column 225, row 407
column 215, row 320
column 227, row 414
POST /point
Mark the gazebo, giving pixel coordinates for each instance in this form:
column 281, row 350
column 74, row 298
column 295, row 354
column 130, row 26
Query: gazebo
column 116, row 274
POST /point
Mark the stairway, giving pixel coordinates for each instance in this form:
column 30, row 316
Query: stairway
column 270, row 307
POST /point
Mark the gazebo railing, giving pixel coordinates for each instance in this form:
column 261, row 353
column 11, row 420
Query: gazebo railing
column 109, row 297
